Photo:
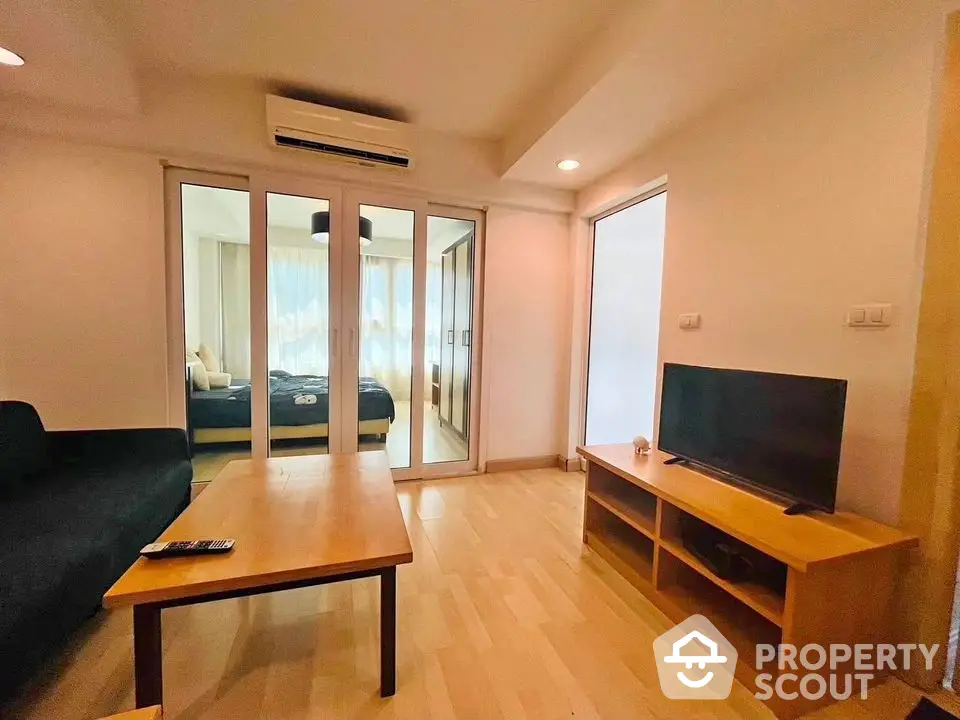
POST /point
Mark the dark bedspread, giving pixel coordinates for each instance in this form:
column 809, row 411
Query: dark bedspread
column 230, row 407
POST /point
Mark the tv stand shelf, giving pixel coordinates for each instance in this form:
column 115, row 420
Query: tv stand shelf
column 763, row 600
column 633, row 517
column 840, row 569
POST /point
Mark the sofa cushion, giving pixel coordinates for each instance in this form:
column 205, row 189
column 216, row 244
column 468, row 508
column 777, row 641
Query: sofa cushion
column 65, row 540
column 109, row 501
column 38, row 572
column 68, row 534
column 23, row 445
column 47, row 583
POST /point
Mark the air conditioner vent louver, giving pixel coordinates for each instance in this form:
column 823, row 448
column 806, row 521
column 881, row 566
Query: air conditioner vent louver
column 346, row 152
column 338, row 134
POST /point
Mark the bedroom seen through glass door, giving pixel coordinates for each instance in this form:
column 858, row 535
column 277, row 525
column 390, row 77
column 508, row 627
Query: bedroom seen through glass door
column 329, row 320
column 299, row 258
column 385, row 365
column 215, row 241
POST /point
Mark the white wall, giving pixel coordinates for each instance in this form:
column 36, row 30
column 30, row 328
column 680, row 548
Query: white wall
column 787, row 205
column 525, row 332
column 82, row 292
column 625, row 323
column 84, row 222
column 221, row 124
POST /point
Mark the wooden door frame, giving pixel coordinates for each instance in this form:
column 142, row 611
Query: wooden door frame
column 930, row 490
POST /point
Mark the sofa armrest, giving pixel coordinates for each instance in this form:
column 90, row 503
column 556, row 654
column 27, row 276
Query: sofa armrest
column 71, row 446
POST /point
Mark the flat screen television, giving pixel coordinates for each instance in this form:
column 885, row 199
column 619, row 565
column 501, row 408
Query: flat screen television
column 776, row 433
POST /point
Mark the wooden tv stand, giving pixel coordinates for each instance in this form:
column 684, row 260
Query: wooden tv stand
column 841, row 569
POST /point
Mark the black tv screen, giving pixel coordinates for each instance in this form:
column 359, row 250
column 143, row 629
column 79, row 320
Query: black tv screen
column 779, row 433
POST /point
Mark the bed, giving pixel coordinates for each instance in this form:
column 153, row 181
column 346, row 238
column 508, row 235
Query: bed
column 299, row 408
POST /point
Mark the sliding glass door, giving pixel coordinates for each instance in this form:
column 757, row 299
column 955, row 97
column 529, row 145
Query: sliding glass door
column 383, row 274
column 452, row 262
column 209, row 358
column 339, row 320
column 302, row 389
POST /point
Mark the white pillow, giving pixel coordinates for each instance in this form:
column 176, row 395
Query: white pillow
column 201, row 381
column 210, row 361
column 219, row 380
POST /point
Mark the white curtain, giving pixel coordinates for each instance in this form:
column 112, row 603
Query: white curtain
column 386, row 322
column 235, row 308
column 299, row 314
column 209, row 313
column 298, row 310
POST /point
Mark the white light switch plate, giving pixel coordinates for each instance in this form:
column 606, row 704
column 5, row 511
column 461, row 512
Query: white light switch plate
column 690, row 321
column 870, row 315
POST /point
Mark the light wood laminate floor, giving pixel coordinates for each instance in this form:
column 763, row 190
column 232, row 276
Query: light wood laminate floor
column 501, row 615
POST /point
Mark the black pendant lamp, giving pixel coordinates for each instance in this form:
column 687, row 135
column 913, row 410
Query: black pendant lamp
column 320, row 228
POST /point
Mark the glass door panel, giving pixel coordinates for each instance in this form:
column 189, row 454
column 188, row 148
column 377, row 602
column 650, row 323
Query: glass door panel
column 385, row 388
column 298, row 291
column 215, row 239
column 449, row 339
column 298, row 323
column 627, row 262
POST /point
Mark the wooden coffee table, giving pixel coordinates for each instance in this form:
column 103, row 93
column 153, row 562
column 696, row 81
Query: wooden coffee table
column 298, row 521
column 154, row 712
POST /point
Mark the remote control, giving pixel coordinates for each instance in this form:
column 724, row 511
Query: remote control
column 186, row 547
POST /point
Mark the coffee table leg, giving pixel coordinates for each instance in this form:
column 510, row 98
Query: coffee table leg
column 388, row 631
column 147, row 655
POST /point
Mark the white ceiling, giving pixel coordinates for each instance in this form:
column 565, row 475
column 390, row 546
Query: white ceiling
column 597, row 80
column 74, row 57
column 459, row 66
column 675, row 60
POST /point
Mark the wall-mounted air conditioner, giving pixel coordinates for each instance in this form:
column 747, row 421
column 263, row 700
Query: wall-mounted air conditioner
column 338, row 134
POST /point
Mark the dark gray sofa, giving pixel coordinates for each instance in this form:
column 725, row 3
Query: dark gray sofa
column 75, row 509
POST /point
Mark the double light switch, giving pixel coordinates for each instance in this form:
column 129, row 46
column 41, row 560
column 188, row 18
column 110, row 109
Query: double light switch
column 876, row 315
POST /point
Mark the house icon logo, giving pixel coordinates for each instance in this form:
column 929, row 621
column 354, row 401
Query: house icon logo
column 694, row 661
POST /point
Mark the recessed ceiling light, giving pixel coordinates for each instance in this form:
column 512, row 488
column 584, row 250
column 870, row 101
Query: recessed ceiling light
column 8, row 57
column 568, row 165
